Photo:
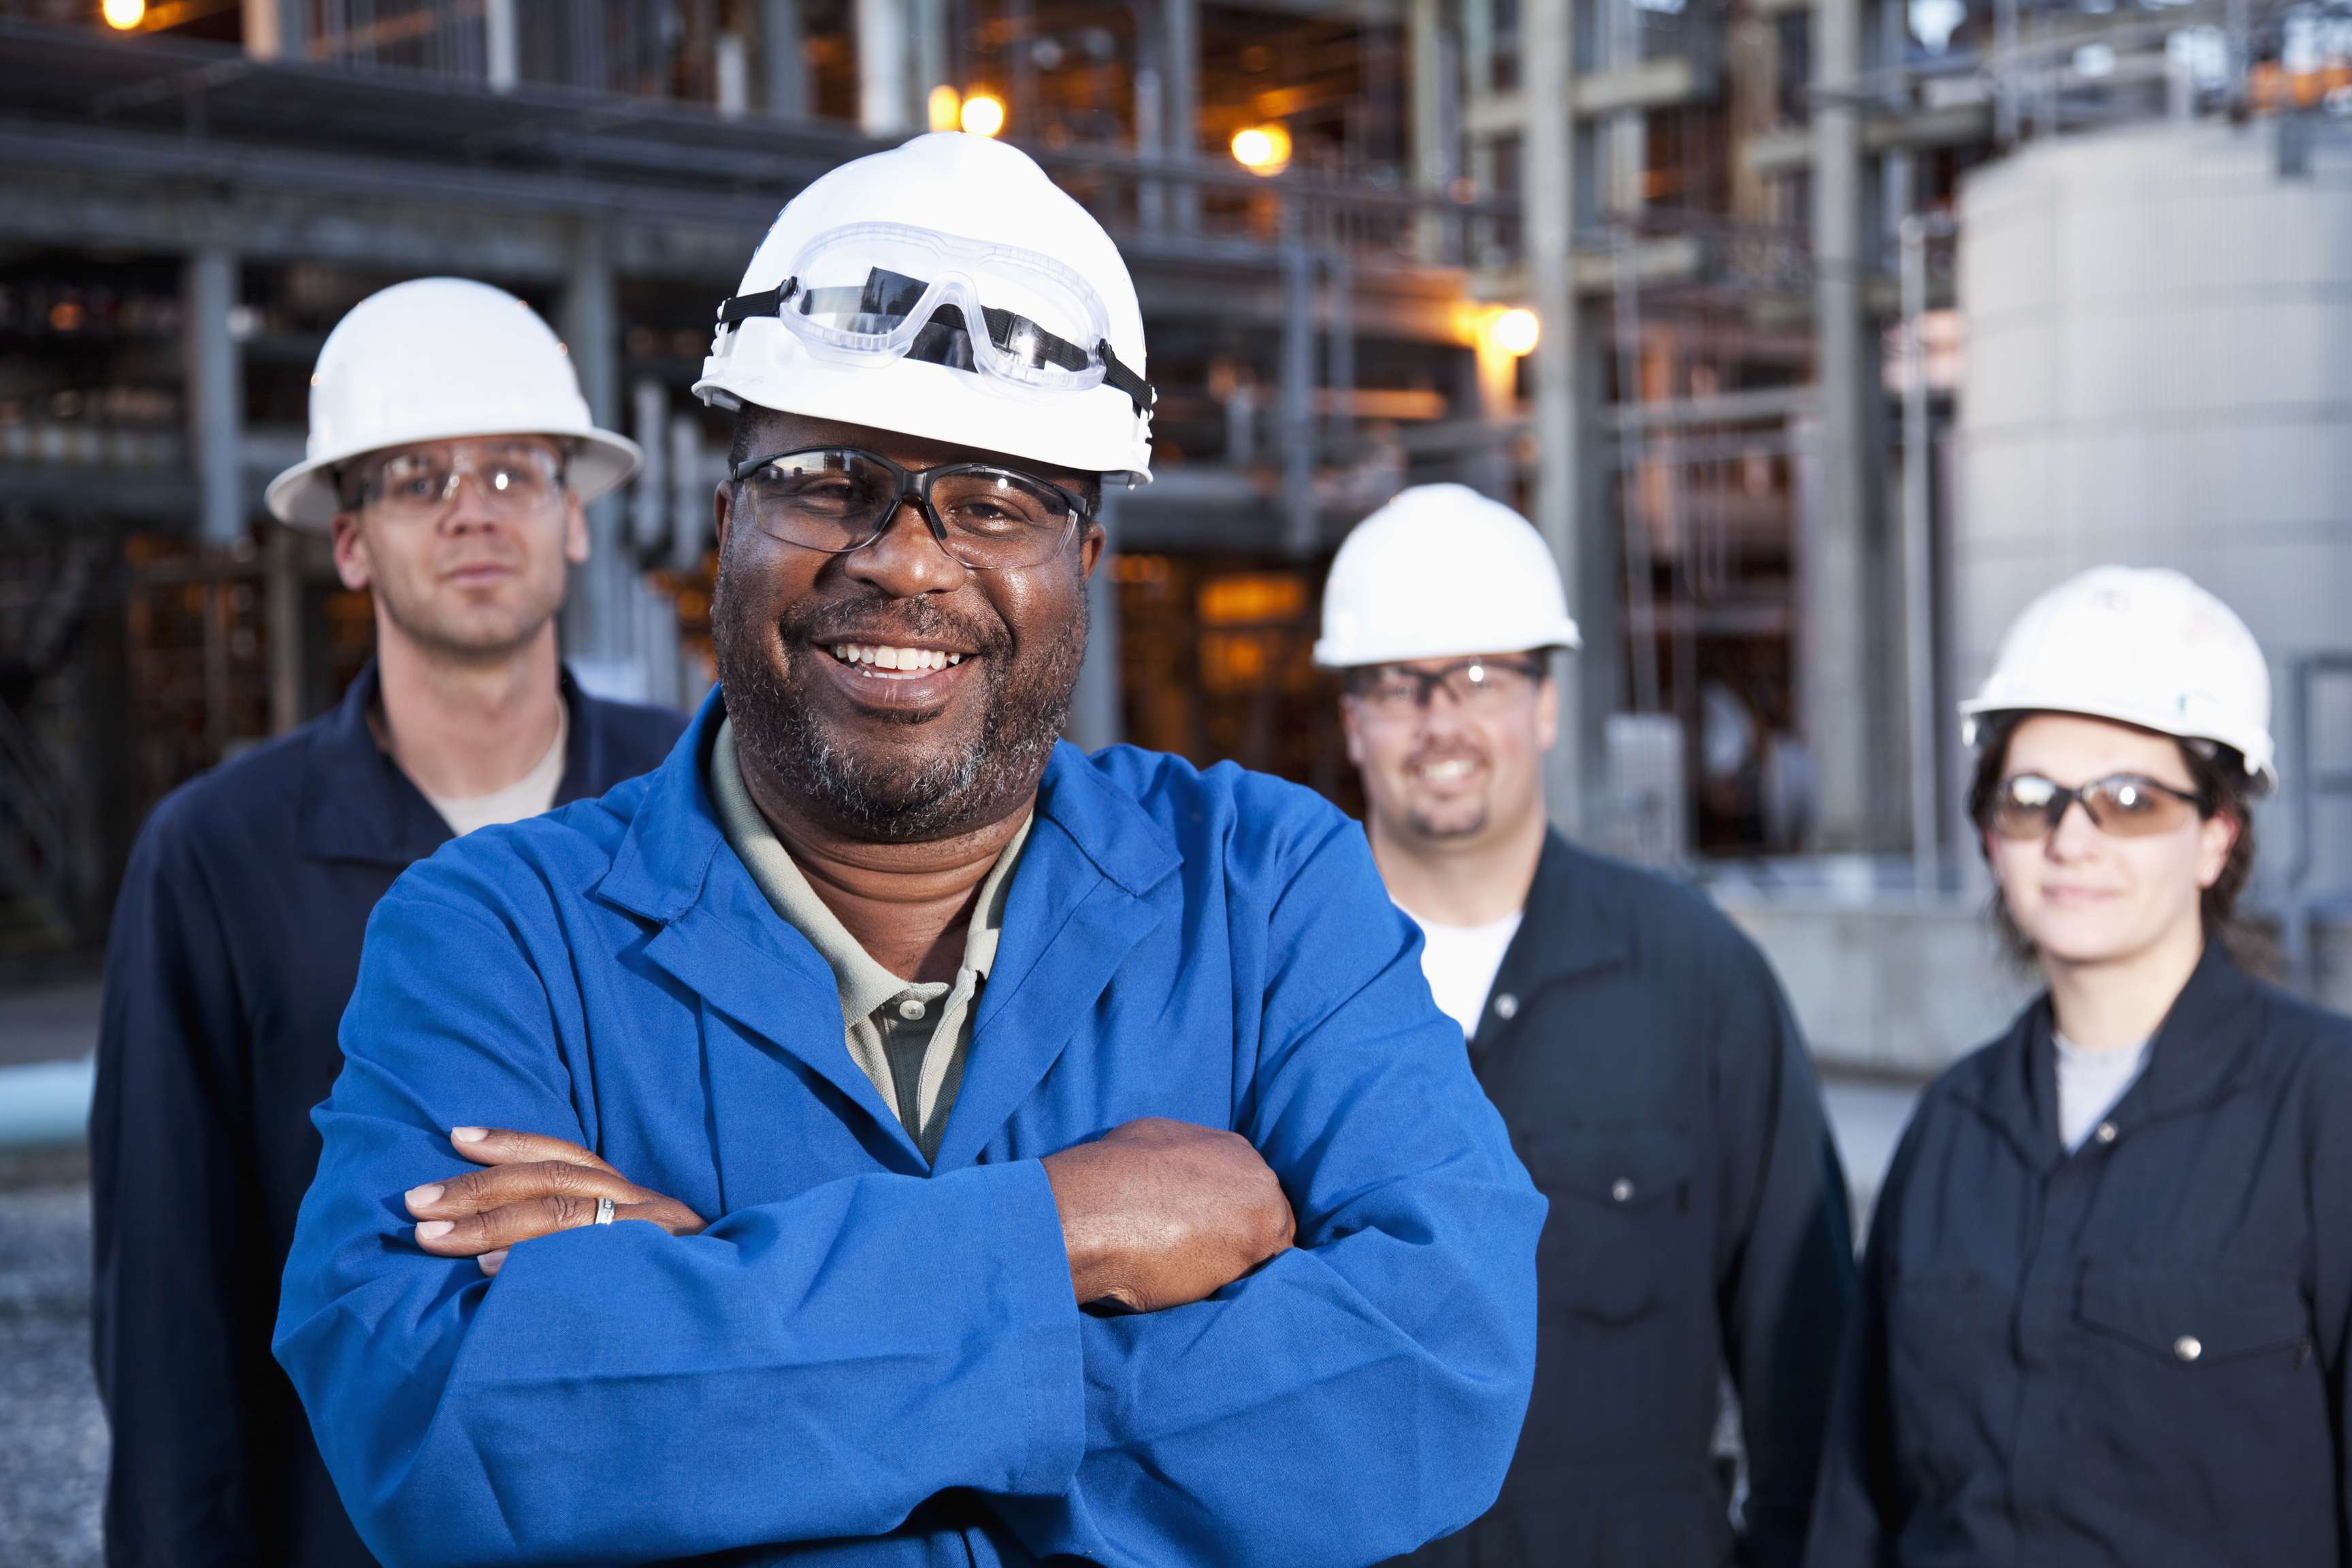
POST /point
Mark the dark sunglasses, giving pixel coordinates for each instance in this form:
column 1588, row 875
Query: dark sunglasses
column 2028, row 806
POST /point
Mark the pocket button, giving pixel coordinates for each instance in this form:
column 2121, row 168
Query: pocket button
column 2187, row 1347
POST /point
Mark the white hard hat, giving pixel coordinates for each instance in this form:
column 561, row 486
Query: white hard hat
column 946, row 289
column 1441, row 571
column 439, row 359
column 2140, row 646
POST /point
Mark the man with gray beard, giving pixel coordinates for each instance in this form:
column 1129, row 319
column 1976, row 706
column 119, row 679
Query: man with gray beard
column 1032, row 1154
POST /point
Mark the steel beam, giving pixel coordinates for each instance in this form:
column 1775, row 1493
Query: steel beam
column 215, row 395
column 1838, row 651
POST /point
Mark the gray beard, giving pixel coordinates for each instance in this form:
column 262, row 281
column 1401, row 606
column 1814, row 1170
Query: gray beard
column 882, row 800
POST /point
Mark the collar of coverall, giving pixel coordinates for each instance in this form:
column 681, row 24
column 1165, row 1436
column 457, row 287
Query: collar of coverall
column 663, row 859
column 358, row 806
column 2201, row 1054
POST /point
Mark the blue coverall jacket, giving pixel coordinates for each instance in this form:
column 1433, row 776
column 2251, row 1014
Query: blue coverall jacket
column 863, row 1351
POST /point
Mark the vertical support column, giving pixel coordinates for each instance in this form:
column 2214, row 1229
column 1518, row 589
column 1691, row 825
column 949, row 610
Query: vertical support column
column 596, row 613
column 1628, row 138
column 282, row 623
column 883, row 94
column 1179, row 89
column 930, row 58
column 1918, row 566
column 215, row 386
column 786, row 67
column 1095, row 716
column 1433, row 125
column 501, row 52
column 1296, row 410
column 1547, row 88
column 1838, row 604
column 1339, row 355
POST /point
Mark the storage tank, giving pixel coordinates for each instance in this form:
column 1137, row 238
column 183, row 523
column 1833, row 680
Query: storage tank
column 2160, row 373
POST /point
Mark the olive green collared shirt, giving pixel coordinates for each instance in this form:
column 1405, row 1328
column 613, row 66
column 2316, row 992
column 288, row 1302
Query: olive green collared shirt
column 911, row 1038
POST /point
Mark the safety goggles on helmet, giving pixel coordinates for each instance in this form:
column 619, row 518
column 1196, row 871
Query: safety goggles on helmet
column 894, row 290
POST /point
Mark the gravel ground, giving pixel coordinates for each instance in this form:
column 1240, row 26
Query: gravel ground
column 52, row 1434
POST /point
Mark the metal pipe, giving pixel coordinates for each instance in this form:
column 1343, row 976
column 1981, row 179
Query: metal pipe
column 1919, row 634
column 1297, row 390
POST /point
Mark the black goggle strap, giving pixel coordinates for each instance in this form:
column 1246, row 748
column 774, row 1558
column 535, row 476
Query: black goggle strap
column 891, row 295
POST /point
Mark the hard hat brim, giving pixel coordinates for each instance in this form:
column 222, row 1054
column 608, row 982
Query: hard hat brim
column 1334, row 653
column 304, row 495
column 2261, row 767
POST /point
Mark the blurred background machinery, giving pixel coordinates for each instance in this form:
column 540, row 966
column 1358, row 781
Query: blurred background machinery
column 1815, row 334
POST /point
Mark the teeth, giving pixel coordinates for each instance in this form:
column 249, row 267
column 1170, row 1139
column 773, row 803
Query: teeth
column 904, row 660
column 1450, row 769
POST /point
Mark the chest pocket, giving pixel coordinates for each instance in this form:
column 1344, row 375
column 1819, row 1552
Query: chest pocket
column 2200, row 1386
column 1620, row 1215
column 2194, row 1317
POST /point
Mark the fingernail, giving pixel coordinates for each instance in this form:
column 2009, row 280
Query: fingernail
column 433, row 1229
column 468, row 1135
column 492, row 1261
column 430, row 1193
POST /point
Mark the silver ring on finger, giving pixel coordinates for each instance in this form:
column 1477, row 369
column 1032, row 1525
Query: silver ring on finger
column 604, row 1210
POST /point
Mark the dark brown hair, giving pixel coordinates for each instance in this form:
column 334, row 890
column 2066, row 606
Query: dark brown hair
column 2220, row 777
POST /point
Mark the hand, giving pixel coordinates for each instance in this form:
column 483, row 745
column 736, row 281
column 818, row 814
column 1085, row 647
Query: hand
column 533, row 1186
column 1158, row 1214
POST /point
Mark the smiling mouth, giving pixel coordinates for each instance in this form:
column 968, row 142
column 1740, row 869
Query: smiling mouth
column 885, row 662
column 1446, row 770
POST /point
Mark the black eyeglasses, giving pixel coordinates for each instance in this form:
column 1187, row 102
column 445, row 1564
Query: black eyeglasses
column 2128, row 805
column 840, row 499
column 1476, row 684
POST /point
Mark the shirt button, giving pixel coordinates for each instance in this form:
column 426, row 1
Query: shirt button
column 2187, row 1347
column 1507, row 1006
column 1620, row 1191
column 912, row 1010
column 2106, row 1132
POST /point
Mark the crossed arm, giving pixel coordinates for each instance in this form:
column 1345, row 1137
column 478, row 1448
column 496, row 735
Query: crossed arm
column 817, row 1367
column 1155, row 1214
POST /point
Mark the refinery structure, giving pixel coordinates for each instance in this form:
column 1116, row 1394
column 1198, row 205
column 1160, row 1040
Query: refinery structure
column 1816, row 335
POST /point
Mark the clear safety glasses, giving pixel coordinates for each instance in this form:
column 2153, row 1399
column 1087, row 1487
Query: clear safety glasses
column 514, row 479
column 894, row 290
column 2028, row 806
column 839, row 499
column 1398, row 691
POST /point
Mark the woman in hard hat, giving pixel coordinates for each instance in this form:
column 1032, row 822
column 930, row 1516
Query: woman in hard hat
column 2108, row 1291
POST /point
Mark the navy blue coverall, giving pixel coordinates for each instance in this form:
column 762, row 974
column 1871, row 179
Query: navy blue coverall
column 2134, row 1354
column 1654, row 1083
column 235, row 943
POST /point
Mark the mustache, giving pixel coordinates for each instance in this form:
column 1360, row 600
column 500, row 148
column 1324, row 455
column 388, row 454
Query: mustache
column 878, row 618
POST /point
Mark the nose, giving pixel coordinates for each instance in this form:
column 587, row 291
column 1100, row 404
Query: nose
column 464, row 505
column 2076, row 835
column 1441, row 713
column 904, row 558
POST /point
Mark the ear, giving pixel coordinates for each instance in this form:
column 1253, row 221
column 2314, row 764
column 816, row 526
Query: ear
column 1090, row 549
column 722, row 513
column 1547, row 714
column 1353, row 730
column 2217, row 835
column 575, row 529
column 352, row 563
